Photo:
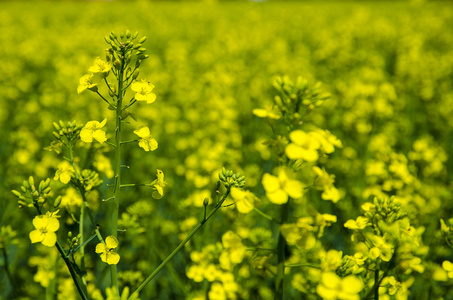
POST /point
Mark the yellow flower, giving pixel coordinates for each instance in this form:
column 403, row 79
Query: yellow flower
column 300, row 233
column 448, row 266
column 234, row 247
column 304, row 146
column 93, row 129
column 279, row 188
column 45, row 225
column 64, row 172
column 90, row 82
column 359, row 223
column 244, row 200
column 100, row 67
column 266, row 112
column 143, row 91
column 381, row 248
column 146, row 141
column 106, row 250
column 333, row 287
column 324, row 181
column 159, row 185
column 71, row 200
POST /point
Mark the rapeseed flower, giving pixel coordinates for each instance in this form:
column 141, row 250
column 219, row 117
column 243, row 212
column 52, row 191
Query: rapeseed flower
column 89, row 82
column 93, row 129
column 64, row 173
column 333, row 287
column 267, row 112
column 304, row 146
column 107, row 250
column 279, row 189
column 100, row 67
column 45, row 228
column 159, row 185
column 244, row 200
column 143, row 91
column 146, row 141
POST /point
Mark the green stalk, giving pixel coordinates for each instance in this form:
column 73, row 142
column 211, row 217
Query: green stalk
column 281, row 246
column 8, row 273
column 117, row 195
column 182, row 244
column 71, row 270
column 82, row 240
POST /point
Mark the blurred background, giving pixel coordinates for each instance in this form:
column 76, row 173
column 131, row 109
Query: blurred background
column 387, row 64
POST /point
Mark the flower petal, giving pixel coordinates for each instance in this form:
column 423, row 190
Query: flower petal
column 36, row 236
column 113, row 258
column 270, row 182
column 111, row 242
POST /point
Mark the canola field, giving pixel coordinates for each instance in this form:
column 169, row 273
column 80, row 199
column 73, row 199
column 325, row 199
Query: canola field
column 338, row 117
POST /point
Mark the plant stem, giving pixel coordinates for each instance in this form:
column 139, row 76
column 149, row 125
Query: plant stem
column 281, row 247
column 82, row 240
column 265, row 215
column 71, row 270
column 116, row 199
column 8, row 273
column 376, row 284
column 191, row 234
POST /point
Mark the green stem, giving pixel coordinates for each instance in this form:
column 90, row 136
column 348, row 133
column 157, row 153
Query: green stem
column 303, row 265
column 130, row 141
column 265, row 215
column 135, row 184
column 376, row 284
column 71, row 271
column 281, row 246
column 116, row 199
column 82, row 240
column 8, row 273
column 182, row 244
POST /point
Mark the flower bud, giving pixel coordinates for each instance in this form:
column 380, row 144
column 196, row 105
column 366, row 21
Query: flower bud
column 128, row 34
column 57, row 127
column 25, row 184
column 135, row 35
column 142, row 40
column 205, row 202
column 136, row 47
column 16, row 193
column 31, row 181
column 70, row 234
column 135, row 75
column 57, row 202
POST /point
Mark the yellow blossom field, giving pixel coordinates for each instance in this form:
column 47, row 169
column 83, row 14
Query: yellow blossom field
column 226, row 150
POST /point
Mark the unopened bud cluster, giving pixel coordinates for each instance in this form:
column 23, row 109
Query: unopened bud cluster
column 73, row 241
column 295, row 100
column 68, row 133
column 90, row 179
column 123, row 50
column 384, row 209
column 30, row 196
column 229, row 179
